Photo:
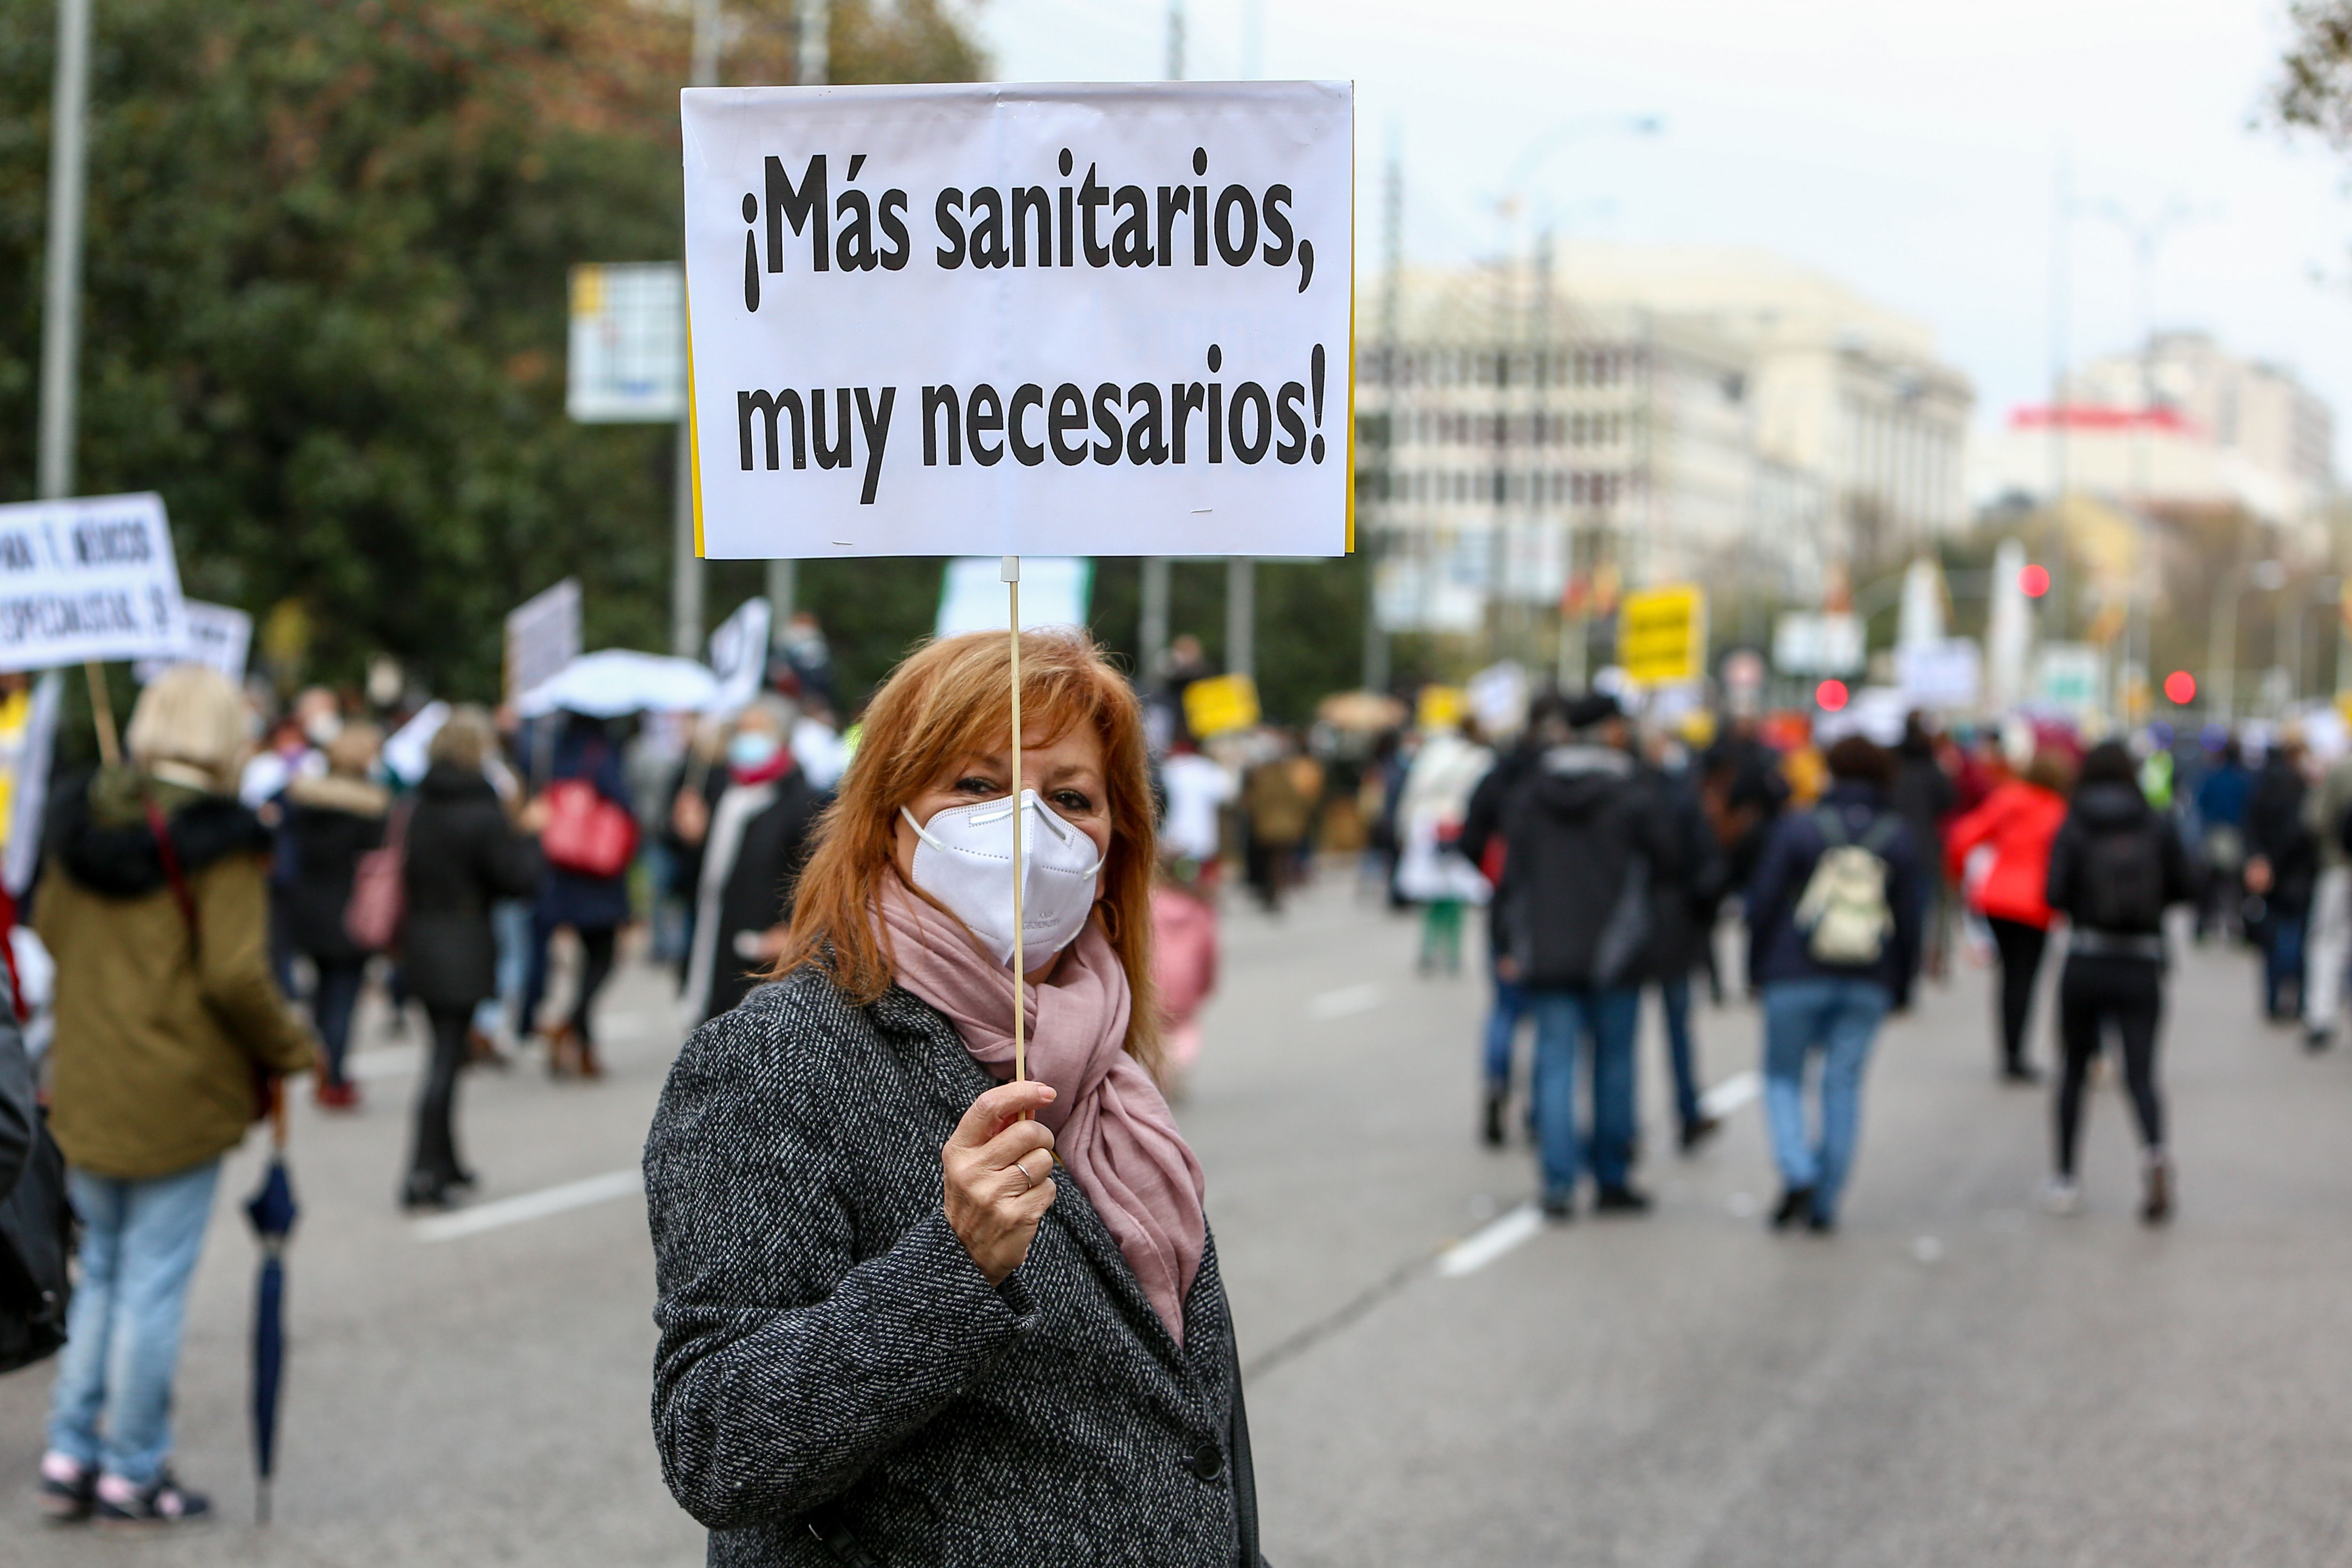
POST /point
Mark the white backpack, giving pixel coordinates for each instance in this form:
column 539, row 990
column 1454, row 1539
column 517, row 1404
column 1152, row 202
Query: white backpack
column 1844, row 913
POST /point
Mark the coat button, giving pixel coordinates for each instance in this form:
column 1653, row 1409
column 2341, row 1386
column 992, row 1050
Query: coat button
column 1209, row 1463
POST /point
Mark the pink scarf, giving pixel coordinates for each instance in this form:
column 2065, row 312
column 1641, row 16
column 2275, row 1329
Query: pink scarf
column 1112, row 1128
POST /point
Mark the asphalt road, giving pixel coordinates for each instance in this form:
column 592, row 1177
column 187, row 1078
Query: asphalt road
column 1956, row 1378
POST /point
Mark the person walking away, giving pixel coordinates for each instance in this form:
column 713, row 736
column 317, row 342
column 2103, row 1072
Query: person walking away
column 1276, row 815
column 753, row 846
column 1184, row 958
column 1198, row 788
column 2328, row 943
column 910, row 1312
column 594, row 907
column 1833, row 925
column 1685, row 890
column 1483, row 845
column 2282, row 865
column 1586, row 838
column 2014, row 824
column 1434, row 871
column 155, row 909
column 462, row 857
column 2115, row 867
column 2222, row 798
column 331, row 820
column 1924, row 797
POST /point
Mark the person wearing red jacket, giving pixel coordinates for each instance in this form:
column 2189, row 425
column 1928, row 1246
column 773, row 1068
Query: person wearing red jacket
column 2016, row 822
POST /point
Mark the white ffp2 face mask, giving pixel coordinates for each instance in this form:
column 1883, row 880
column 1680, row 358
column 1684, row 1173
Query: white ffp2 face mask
column 965, row 860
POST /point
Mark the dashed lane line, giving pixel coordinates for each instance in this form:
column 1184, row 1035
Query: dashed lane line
column 529, row 1205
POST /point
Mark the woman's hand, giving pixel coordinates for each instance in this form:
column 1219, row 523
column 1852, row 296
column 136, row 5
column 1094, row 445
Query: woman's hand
column 532, row 819
column 997, row 1168
column 2258, row 875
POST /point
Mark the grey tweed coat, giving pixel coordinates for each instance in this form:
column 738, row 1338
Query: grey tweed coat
column 837, row 1383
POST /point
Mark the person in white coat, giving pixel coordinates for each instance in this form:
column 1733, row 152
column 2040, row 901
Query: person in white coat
column 1432, row 871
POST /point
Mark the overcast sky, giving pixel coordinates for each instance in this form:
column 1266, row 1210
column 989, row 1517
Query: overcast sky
column 1909, row 149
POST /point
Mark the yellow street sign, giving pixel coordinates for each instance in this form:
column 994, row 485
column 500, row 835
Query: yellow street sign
column 1662, row 635
column 1219, row 704
column 1440, row 707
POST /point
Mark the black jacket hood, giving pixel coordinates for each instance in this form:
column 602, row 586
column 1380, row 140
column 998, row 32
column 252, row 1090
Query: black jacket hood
column 448, row 781
column 102, row 838
column 2107, row 807
column 1576, row 782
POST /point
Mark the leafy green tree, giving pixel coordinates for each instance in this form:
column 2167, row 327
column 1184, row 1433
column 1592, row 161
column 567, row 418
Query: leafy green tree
column 325, row 293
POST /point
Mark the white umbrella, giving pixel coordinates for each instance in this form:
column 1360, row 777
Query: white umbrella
column 616, row 680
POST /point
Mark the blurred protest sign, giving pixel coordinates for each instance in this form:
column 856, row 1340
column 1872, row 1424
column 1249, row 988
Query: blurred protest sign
column 28, row 731
column 543, row 636
column 625, row 363
column 91, row 579
column 2070, row 674
column 738, row 656
column 1807, row 644
column 1439, row 707
column 1946, row 674
column 1055, row 592
column 219, row 638
column 1662, row 635
column 1219, row 704
column 407, row 754
column 1498, row 697
column 1053, row 319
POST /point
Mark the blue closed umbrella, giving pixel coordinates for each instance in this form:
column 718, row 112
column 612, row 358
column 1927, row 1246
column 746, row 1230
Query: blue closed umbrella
column 272, row 1211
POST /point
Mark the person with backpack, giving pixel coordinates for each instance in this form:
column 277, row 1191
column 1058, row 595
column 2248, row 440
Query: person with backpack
column 1834, row 931
column 1586, row 838
column 155, row 907
column 2115, row 867
column 2013, row 826
column 593, row 900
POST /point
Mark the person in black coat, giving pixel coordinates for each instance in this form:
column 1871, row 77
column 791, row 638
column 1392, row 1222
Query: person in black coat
column 1685, row 890
column 1482, row 845
column 331, row 821
column 2282, row 868
column 595, row 908
column 463, row 855
column 749, row 844
column 2115, row 865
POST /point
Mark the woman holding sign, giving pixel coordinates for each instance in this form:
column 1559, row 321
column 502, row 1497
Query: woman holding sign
column 913, row 1312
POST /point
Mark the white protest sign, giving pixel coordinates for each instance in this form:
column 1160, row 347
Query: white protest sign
column 1021, row 319
column 542, row 637
column 739, row 655
column 220, row 637
column 87, row 580
column 1948, row 673
column 1054, row 592
column 625, row 363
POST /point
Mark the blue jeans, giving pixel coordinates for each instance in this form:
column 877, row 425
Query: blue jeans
column 1674, row 997
column 1840, row 1018
column 1606, row 1018
column 111, row 1406
column 333, row 1003
column 510, row 926
column 2281, row 961
column 1502, row 1030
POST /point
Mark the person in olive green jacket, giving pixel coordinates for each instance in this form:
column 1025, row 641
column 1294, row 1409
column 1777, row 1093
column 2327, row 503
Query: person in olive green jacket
column 168, row 1024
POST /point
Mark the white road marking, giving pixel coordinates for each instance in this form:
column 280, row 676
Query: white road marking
column 1345, row 1002
column 384, row 1061
column 530, row 1206
column 1522, row 1225
column 1731, row 1094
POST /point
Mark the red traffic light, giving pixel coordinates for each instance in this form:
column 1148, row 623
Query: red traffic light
column 1831, row 695
column 2181, row 686
column 2033, row 582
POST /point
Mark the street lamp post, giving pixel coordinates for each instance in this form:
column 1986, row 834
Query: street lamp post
column 2221, row 650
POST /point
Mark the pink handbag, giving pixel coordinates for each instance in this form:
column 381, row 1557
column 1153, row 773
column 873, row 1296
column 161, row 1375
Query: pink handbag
column 379, row 898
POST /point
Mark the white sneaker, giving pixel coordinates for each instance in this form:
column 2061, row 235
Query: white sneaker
column 2063, row 1195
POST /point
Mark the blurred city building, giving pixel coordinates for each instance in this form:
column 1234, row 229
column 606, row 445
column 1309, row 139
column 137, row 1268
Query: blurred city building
column 1548, row 431
column 2183, row 426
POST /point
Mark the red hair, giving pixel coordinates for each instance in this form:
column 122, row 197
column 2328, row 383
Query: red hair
column 947, row 701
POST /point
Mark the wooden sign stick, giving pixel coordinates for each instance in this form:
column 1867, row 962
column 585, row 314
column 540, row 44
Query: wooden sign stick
column 1020, row 1016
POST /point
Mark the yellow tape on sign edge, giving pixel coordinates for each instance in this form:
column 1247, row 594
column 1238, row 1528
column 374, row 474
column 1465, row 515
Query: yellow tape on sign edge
column 693, row 424
column 1350, row 478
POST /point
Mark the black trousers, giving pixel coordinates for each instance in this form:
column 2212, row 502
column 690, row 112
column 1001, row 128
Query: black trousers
column 433, row 1155
column 2021, row 963
column 2096, row 990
